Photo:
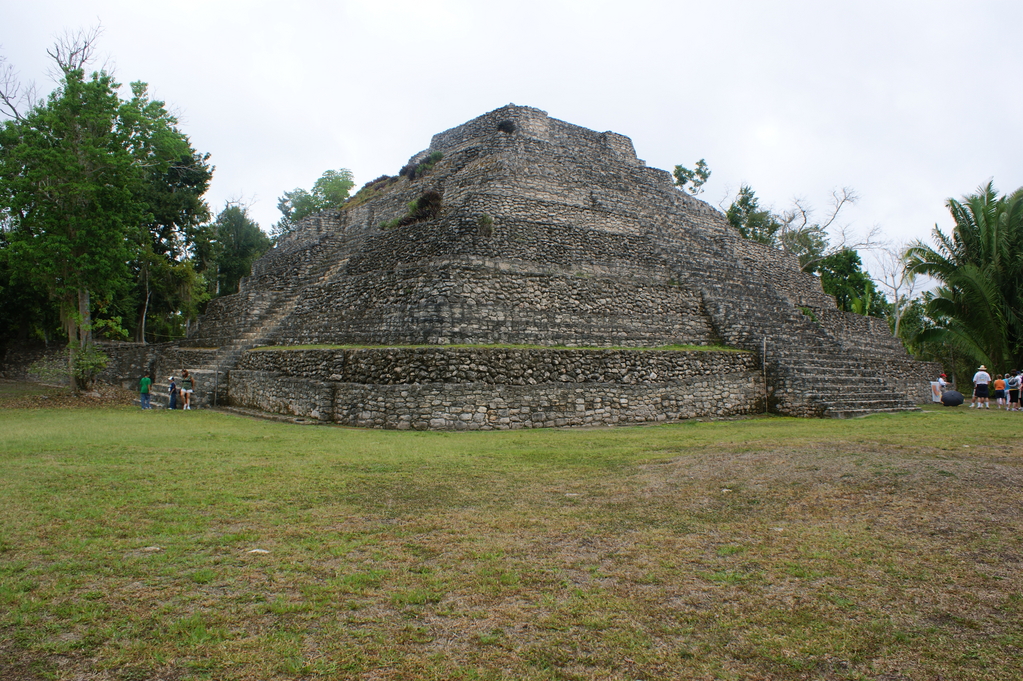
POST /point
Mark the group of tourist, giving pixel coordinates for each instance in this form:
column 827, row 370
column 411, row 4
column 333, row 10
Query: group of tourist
column 1005, row 389
column 185, row 392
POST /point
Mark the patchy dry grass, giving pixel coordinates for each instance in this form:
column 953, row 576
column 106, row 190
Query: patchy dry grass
column 29, row 395
column 878, row 548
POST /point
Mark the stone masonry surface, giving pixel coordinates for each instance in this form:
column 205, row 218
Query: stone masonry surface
column 548, row 234
column 496, row 388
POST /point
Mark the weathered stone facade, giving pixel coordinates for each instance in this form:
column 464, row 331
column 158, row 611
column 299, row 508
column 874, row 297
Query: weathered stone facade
column 497, row 388
column 548, row 235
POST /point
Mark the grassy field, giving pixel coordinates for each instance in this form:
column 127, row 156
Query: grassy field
column 197, row 545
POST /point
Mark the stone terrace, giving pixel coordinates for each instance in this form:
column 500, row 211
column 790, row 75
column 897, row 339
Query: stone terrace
column 548, row 234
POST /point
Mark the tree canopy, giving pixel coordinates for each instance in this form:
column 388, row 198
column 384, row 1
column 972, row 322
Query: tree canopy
column 692, row 179
column 752, row 221
column 233, row 243
column 329, row 193
column 800, row 233
column 100, row 199
column 978, row 308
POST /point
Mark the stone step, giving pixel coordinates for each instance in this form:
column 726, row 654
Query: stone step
column 844, row 401
column 873, row 398
column 850, row 413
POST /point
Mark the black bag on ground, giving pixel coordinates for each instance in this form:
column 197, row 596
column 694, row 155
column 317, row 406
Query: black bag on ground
column 951, row 398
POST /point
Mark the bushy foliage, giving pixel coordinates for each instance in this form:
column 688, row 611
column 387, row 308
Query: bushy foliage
column 486, row 225
column 87, row 364
column 370, row 190
column 412, row 171
column 978, row 308
column 328, row 193
column 752, row 221
column 692, row 180
column 426, row 207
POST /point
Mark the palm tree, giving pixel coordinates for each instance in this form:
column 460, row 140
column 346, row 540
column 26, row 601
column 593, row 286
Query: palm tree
column 980, row 266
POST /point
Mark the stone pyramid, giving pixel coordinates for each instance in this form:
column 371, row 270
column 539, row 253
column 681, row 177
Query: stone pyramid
column 522, row 272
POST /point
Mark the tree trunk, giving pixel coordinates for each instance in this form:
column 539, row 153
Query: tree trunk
column 84, row 334
column 72, row 351
column 140, row 326
column 85, row 328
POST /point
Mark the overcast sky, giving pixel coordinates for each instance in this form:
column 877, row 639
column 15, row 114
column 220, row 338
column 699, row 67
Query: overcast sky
column 907, row 102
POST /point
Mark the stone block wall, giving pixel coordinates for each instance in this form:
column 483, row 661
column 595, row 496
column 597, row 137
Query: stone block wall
column 497, row 388
column 278, row 393
column 909, row 376
column 783, row 272
column 866, row 335
column 17, row 359
column 127, row 362
column 476, row 305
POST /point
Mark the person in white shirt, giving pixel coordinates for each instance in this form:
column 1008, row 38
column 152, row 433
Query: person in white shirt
column 981, row 379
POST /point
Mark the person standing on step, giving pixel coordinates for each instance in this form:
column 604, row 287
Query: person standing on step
column 1013, row 383
column 187, row 388
column 981, row 379
column 144, row 386
column 173, row 390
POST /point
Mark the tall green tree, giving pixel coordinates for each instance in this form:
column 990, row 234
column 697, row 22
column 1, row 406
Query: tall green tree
column 174, row 179
column 233, row 242
column 68, row 181
column 97, row 193
column 329, row 193
column 843, row 277
column 752, row 221
column 979, row 304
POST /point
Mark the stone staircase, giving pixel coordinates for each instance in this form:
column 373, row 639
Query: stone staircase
column 808, row 373
column 212, row 377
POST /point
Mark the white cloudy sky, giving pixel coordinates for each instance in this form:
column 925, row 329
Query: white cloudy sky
column 909, row 102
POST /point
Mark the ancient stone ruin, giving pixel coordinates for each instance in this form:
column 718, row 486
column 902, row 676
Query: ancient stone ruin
column 526, row 272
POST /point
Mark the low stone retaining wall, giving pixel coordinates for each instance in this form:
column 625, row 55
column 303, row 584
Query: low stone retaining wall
column 488, row 389
column 16, row 360
column 514, row 366
column 909, row 376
